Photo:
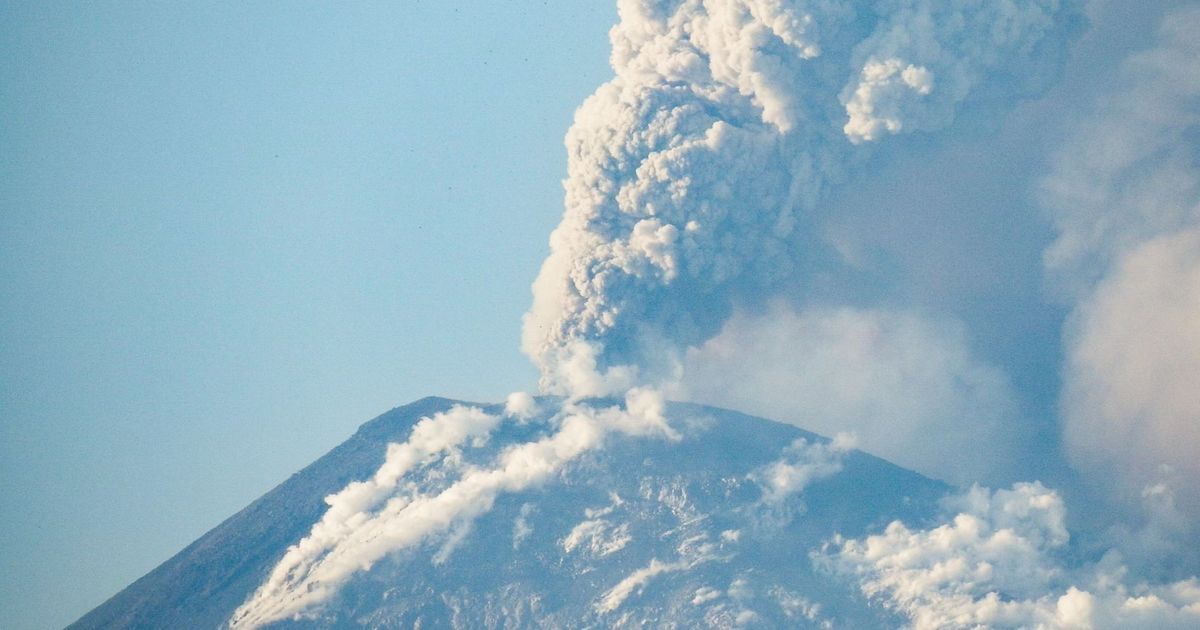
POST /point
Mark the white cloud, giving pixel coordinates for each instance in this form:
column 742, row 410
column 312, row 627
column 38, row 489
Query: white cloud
column 1125, row 198
column 521, row 405
column 905, row 385
column 799, row 607
column 1133, row 396
column 431, row 439
column 705, row 594
column 596, row 536
column 522, row 528
column 692, row 172
column 802, row 463
column 926, row 56
column 998, row 563
column 876, row 105
column 338, row 544
column 1128, row 173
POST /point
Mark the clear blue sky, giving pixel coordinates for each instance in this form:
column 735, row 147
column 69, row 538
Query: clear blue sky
column 231, row 234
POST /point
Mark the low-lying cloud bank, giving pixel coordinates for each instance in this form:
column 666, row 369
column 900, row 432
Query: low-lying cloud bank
column 1000, row 561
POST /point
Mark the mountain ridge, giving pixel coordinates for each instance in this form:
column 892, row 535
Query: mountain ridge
column 206, row 581
column 120, row 610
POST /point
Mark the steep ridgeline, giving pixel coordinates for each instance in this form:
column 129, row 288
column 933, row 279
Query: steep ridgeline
column 718, row 524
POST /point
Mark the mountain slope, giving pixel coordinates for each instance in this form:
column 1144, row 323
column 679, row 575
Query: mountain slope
column 715, row 528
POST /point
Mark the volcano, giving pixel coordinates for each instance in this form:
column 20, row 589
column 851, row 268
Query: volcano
column 721, row 525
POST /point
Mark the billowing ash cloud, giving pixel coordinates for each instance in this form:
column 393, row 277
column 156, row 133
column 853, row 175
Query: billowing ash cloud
column 394, row 510
column 693, row 173
column 1125, row 196
column 998, row 562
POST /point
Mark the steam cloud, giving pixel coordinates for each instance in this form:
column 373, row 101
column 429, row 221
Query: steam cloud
column 1125, row 195
column 802, row 464
column 904, row 383
column 692, row 173
column 996, row 563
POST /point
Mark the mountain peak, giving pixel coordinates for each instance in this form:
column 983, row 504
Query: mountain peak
column 711, row 521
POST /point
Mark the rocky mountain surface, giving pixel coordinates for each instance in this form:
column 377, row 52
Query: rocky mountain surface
column 723, row 525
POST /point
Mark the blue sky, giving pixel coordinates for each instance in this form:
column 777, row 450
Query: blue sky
column 231, row 234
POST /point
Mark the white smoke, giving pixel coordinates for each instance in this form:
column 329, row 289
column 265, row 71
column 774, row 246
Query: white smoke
column 331, row 551
column 998, row 562
column 906, row 385
column 370, row 520
column 693, row 172
column 1133, row 393
column 802, row 463
column 1125, row 196
column 521, row 405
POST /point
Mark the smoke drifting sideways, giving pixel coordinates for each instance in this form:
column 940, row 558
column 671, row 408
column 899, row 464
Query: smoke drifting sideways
column 694, row 174
column 1125, row 197
column 426, row 490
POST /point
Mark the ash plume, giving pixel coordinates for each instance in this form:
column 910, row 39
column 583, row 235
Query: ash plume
column 695, row 172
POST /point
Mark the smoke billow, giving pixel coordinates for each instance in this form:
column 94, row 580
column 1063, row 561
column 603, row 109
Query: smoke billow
column 693, row 173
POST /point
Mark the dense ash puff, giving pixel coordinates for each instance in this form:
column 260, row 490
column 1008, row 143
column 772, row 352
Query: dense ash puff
column 695, row 171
